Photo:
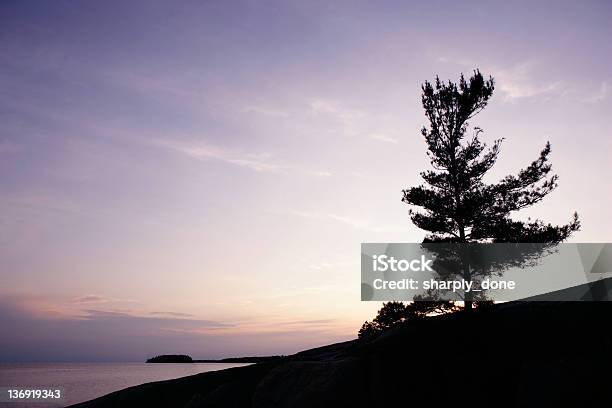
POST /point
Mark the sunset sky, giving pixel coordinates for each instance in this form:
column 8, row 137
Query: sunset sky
column 197, row 177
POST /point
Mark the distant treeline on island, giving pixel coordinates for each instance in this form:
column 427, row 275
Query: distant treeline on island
column 171, row 358
column 182, row 358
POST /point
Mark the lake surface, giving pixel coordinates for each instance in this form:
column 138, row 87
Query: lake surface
column 84, row 381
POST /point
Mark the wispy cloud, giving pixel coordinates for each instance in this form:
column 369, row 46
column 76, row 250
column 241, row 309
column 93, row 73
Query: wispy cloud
column 172, row 314
column 90, row 299
column 516, row 81
column 320, row 173
column 258, row 162
column 353, row 122
column 600, row 95
column 333, row 265
column 382, row 137
column 266, row 111
column 365, row 225
column 348, row 118
column 111, row 335
column 99, row 299
column 347, row 220
column 160, row 321
column 327, row 107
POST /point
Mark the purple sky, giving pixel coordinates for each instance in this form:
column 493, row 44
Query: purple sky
column 197, row 176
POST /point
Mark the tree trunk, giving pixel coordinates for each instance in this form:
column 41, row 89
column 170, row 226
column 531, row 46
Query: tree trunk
column 466, row 272
column 468, row 303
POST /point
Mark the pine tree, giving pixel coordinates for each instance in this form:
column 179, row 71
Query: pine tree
column 393, row 313
column 455, row 205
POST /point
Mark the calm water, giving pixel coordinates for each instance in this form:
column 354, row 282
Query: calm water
column 84, row 381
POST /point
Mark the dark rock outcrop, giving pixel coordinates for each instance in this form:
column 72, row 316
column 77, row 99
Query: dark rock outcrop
column 531, row 354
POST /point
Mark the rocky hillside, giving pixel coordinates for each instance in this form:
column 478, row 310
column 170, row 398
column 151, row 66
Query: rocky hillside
column 531, row 354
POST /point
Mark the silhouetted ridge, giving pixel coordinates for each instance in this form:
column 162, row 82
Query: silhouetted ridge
column 522, row 354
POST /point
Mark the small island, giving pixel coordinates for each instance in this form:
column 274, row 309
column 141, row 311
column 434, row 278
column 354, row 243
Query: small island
column 171, row 358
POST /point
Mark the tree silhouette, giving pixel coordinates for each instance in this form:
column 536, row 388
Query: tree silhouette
column 455, row 204
column 393, row 313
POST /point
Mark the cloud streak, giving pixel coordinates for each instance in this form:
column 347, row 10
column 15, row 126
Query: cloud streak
column 111, row 335
column 90, row 299
column 600, row 95
column 347, row 220
column 383, row 138
column 514, row 81
column 172, row 314
column 517, row 82
column 257, row 162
